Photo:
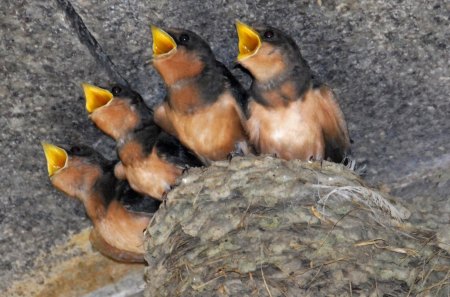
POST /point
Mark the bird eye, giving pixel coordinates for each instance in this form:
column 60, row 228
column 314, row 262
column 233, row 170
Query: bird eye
column 184, row 38
column 116, row 90
column 75, row 149
column 268, row 34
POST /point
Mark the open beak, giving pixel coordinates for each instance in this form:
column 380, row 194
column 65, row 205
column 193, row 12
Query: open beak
column 163, row 43
column 249, row 41
column 56, row 157
column 95, row 97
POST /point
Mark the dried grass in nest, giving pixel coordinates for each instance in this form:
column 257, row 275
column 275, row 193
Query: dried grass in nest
column 266, row 227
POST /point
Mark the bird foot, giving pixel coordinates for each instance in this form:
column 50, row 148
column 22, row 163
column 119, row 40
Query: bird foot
column 185, row 169
column 241, row 149
column 236, row 153
column 349, row 163
column 164, row 196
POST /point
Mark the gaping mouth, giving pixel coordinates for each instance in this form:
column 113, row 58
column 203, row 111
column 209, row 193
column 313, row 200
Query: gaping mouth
column 95, row 97
column 249, row 41
column 56, row 157
column 163, row 43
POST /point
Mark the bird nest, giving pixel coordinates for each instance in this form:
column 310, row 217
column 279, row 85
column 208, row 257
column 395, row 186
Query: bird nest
column 261, row 226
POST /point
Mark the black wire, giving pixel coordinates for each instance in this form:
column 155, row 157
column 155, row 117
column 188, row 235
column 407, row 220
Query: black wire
column 91, row 43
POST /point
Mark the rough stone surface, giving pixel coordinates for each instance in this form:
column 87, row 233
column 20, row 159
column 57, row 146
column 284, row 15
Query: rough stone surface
column 267, row 227
column 42, row 64
column 74, row 269
column 387, row 61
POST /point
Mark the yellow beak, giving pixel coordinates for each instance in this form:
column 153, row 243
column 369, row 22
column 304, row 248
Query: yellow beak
column 95, row 97
column 56, row 157
column 163, row 43
column 249, row 41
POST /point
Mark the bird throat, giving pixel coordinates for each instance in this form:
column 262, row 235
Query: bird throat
column 282, row 89
column 184, row 95
column 179, row 67
column 275, row 82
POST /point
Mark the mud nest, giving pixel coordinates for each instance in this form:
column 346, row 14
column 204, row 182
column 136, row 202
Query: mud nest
column 266, row 227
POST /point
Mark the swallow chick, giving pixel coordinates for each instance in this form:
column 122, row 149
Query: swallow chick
column 205, row 105
column 288, row 117
column 151, row 159
column 119, row 214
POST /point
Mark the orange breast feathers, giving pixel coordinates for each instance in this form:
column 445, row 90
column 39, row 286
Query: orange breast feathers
column 296, row 129
column 211, row 131
column 150, row 174
column 122, row 229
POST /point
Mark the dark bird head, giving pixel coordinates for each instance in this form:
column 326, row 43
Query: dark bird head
column 116, row 112
column 268, row 53
column 179, row 54
column 77, row 170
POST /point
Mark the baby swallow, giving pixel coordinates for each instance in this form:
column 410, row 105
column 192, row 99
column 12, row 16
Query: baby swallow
column 288, row 116
column 204, row 107
column 151, row 159
column 119, row 214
